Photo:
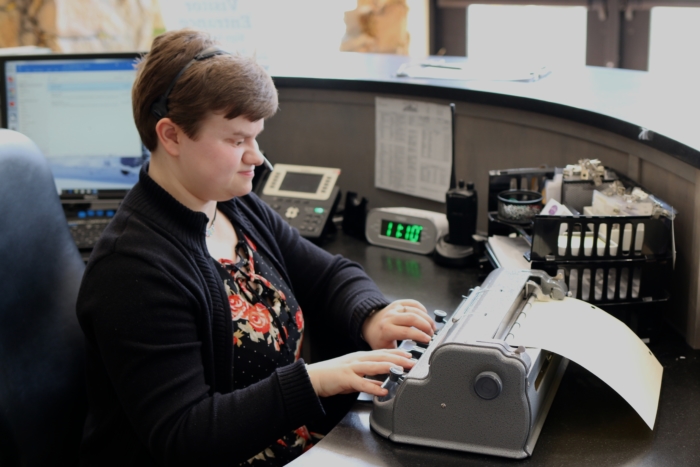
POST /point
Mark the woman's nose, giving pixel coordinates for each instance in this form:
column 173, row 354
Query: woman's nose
column 255, row 157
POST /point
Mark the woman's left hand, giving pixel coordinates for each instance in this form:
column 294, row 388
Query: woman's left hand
column 400, row 320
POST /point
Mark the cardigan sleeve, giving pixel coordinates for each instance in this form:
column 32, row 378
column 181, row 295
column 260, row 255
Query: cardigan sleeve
column 332, row 289
column 141, row 326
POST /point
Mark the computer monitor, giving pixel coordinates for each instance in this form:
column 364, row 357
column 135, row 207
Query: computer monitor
column 77, row 109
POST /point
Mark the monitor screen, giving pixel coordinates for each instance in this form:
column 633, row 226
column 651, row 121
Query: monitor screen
column 77, row 109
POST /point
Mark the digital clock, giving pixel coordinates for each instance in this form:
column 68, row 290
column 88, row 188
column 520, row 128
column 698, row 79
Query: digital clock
column 407, row 229
column 399, row 230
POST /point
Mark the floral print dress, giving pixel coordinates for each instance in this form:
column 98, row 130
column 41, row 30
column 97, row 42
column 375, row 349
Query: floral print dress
column 268, row 330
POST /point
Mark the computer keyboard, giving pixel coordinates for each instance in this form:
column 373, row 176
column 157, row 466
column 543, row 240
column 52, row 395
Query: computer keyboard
column 86, row 232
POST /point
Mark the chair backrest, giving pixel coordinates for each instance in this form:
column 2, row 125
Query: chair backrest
column 42, row 384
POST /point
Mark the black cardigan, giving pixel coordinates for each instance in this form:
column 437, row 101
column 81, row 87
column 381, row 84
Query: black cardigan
column 159, row 335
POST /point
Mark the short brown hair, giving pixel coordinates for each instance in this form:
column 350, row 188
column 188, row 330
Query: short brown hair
column 230, row 84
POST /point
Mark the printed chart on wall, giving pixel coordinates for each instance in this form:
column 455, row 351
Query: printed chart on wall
column 413, row 147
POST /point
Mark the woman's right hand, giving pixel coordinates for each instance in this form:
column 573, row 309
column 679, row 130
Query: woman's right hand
column 345, row 374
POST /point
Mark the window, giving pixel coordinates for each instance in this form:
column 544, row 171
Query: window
column 674, row 44
column 264, row 27
column 534, row 35
column 282, row 29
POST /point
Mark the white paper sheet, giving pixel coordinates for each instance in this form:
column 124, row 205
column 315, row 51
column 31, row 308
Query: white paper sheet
column 471, row 69
column 509, row 251
column 413, row 148
column 598, row 342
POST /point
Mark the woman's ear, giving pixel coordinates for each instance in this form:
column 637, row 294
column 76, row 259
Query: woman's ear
column 169, row 135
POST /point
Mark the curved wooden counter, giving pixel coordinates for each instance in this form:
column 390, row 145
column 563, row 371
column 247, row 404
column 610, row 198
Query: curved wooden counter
column 643, row 126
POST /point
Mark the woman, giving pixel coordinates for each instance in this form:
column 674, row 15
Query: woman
column 192, row 300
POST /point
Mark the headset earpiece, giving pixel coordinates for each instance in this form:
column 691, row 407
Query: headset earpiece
column 159, row 108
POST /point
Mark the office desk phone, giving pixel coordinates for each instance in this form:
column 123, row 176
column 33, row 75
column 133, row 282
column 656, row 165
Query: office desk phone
column 305, row 196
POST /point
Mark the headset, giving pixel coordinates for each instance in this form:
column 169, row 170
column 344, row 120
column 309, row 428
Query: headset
column 160, row 107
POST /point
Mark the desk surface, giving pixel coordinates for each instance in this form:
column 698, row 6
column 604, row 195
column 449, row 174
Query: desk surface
column 588, row 423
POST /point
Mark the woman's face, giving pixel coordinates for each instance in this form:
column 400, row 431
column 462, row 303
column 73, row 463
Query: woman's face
column 219, row 164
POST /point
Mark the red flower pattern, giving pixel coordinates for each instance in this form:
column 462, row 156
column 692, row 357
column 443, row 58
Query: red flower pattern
column 246, row 287
column 238, row 307
column 299, row 318
column 259, row 317
column 250, row 243
column 303, row 432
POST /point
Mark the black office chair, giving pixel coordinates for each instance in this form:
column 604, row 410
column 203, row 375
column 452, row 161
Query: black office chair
column 42, row 385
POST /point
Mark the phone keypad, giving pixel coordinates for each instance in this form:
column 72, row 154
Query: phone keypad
column 309, row 218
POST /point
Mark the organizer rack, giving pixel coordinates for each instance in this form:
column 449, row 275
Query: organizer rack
column 606, row 260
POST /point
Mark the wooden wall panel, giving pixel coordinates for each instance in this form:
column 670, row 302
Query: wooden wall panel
column 339, row 132
column 680, row 194
column 492, row 144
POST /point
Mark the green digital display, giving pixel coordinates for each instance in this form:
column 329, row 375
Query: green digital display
column 409, row 232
